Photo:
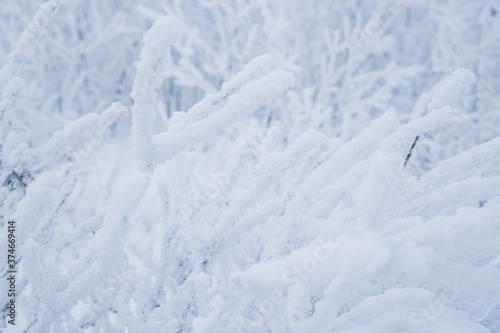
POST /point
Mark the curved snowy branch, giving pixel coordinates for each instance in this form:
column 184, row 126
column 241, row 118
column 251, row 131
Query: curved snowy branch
column 150, row 75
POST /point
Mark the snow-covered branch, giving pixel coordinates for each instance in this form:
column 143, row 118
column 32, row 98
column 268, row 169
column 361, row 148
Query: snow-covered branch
column 151, row 72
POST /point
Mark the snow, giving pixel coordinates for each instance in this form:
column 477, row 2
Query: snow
column 238, row 166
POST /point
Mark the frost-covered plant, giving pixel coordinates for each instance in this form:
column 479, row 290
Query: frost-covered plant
column 240, row 198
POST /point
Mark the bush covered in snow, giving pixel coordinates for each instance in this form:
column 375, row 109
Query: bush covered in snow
column 251, row 166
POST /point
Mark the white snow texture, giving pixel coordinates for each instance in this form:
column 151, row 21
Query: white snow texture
column 277, row 166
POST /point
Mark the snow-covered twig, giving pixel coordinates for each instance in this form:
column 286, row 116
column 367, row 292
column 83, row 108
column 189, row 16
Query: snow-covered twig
column 35, row 30
column 252, row 95
column 255, row 69
column 67, row 145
